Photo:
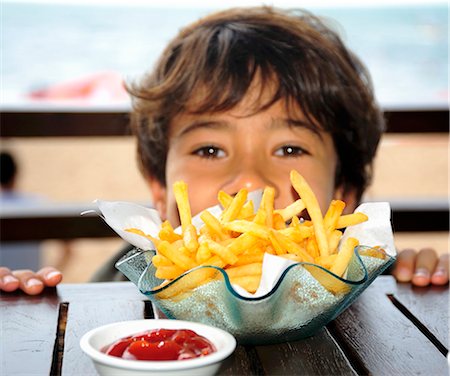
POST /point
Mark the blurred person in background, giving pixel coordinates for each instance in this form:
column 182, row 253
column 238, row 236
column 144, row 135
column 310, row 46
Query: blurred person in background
column 23, row 256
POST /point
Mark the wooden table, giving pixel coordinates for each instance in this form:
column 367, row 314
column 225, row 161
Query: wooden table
column 390, row 329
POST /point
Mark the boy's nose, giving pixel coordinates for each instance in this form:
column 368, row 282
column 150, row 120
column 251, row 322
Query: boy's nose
column 249, row 179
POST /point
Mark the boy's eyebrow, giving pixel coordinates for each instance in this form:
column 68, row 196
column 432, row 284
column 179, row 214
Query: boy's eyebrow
column 197, row 124
column 301, row 124
column 275, row 123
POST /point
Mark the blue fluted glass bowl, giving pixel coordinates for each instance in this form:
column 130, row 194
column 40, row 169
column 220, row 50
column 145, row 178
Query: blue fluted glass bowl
column 305, row 298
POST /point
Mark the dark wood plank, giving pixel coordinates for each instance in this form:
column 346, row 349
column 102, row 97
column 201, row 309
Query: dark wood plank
column 84, row 316
column 88, row 123
column 63, row 124
column 429, row 305
column 241, row 362
column 92, row 291
column 28, row 333
column 417, row 121
column 317, row 355
column 420, row 220
column 56, row 227
column 381, row 338
column 90, row 306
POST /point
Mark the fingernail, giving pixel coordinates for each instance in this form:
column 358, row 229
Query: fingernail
column 9, row 279
column 53, row 274
column 440, row 272
column 404, row 274
column 33, row 282
column 421, row 273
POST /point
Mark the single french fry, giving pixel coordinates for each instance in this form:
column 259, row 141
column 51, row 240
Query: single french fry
column 312, row 247
column 267, row 202
column 295, row 221
column 180, row 192
column 190, row 238
column 278, row 223
column 242, row 243
column 160, row 260
column 203, row 253
column 244, row 270
column 278, row 248
column 250, row 258
column 260, row 217
column 168, row 272
column 249, row 283
column 351, row 220
column 332, row 215
column 376, row 251
column 293, row 247
column 333, row 241
column 291, row 256
column 170, row 236
column 297, row 233
column 189, row 282
column 291, row 210
column 247, row 211
column 137, row 231
column 326, row 261
column 224, row 199
column 221, row 251
column 252, row 228
column 232, row 211
column 167, row 233
column 309, row 199
column 213, row 224
column 343, row 256
column 178, row 255
column 214, row 261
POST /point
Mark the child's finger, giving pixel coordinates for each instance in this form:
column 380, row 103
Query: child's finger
column 404, row 265
column 425, row 264
column 50, row 276
column 440, row 274
column 29, row 282
column 8, row 282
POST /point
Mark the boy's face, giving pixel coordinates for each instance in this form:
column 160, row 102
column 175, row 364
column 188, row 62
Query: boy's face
column 233, row 150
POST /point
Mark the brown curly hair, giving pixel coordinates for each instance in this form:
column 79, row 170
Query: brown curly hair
column 220, row 55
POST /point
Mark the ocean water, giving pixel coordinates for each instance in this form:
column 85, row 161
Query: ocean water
column 404, row 47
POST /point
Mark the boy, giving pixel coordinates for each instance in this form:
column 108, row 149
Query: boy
column 240, row 98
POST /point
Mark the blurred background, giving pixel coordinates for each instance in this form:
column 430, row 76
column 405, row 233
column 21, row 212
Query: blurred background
column 64, row 114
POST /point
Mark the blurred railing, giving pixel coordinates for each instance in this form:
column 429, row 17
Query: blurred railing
column 55, row 221
column 82, row 123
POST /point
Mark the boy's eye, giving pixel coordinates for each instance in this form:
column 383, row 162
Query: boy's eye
column 290, row 150
column 209, row 151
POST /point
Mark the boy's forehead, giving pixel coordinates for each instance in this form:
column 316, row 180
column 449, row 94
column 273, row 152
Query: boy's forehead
column 240, row 111
column 254, row 101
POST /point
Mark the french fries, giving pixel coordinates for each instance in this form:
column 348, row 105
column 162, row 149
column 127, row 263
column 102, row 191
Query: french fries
column 238, row 239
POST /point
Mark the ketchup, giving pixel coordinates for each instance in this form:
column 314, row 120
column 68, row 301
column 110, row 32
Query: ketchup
column 161, row 344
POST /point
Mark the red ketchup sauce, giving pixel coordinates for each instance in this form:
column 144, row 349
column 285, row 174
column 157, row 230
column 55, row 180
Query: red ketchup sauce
column 161, row 344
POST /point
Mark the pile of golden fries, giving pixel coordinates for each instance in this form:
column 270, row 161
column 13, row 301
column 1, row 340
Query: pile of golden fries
column 238, row 239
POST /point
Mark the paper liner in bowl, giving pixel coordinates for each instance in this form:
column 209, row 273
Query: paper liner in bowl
column 305, row 298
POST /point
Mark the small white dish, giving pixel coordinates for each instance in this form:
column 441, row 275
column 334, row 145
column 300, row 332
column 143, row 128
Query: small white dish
column 96, row 339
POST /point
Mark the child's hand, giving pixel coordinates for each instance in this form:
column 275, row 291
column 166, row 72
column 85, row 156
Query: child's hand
column 28, row 281
column 421, row 268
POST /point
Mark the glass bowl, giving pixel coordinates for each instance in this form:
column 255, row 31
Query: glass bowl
column 305, row 298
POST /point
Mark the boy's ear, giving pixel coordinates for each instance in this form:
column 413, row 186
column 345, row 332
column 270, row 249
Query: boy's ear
column 349, row 196
column 159, row 195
